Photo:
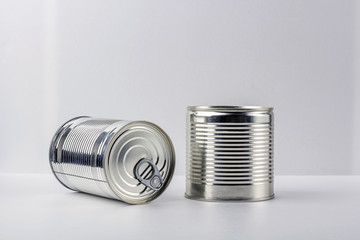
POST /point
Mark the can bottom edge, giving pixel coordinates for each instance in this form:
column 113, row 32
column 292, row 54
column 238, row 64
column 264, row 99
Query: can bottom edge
column 229, row 200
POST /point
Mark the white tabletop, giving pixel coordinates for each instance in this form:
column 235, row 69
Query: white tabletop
column 305, row 207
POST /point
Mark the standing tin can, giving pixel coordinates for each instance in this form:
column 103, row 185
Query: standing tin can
column 230, row 153
column 132, row 161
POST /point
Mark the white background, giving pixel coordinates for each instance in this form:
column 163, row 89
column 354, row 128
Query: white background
column 305, row 207
column 148, row 60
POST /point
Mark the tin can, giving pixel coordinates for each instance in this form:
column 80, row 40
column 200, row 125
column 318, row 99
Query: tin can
column 132, row 161
column 229, row 153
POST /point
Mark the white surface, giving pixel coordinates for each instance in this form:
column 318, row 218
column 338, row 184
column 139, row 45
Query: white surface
column 305, row 207
column 150, row 59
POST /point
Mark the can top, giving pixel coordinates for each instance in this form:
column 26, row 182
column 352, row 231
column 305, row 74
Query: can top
column 139, row 162
column 230, row 114
column 229, row 108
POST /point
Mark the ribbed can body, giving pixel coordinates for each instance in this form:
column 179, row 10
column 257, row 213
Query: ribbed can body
column 99, row 156
column 229, row 153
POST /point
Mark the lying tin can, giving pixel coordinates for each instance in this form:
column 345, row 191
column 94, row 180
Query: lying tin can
column 229, row 153
column 132, row 161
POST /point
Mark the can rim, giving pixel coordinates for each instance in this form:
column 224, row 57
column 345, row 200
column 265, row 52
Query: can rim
column 112, row 184
column 229, row 108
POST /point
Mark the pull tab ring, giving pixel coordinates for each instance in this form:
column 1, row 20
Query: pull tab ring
column 155, row 182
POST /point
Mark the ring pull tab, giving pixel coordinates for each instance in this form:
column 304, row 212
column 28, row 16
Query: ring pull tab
column 155, row 182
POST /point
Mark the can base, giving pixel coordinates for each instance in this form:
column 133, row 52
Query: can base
column 229, row 200
column 205, row 192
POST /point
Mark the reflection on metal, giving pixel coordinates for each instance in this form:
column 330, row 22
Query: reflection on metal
column 102, row 156
column 229, row 153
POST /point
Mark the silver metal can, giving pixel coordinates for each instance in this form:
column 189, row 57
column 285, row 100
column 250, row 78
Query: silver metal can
column 132, row 161
column 229, row 153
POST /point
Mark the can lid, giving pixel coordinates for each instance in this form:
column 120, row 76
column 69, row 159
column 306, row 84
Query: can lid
column 229, row 108
column 140, row 162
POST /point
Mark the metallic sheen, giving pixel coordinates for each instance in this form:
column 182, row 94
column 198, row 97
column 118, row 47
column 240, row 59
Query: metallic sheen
column 229, row 153
column 155, row 181
column 99, row 156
